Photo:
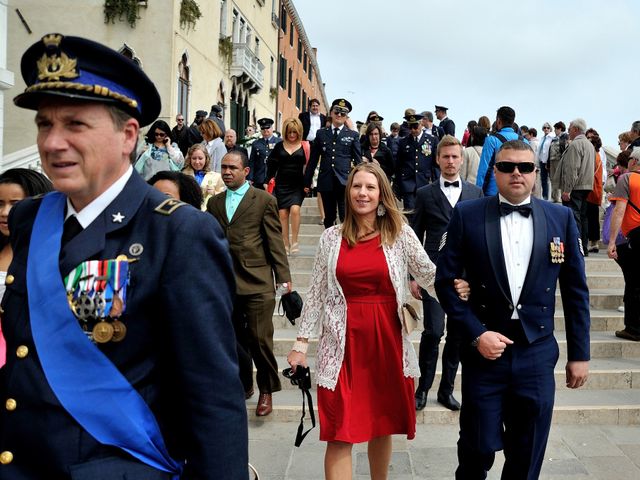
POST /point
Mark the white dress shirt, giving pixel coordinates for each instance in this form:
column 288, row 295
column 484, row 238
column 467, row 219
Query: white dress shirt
column 314, row 125
column 452, row 193
column 542, row 152
column 89, row 213
column 517, row 242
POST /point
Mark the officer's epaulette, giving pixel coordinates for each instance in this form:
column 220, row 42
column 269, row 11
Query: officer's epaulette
column 169, row 206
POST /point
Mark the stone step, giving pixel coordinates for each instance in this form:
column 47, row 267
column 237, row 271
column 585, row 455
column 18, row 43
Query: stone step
column 603, row 344
column 572, row 407
column 604, row 373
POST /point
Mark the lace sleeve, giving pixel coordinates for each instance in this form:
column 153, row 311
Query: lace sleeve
column 420, row 265
column 313, row 307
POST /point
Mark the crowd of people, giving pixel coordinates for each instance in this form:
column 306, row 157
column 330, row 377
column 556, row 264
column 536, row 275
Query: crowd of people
column 163, row 309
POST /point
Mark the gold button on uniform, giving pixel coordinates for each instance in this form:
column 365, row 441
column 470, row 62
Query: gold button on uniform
column 22, row 351
column 6, row 458
column 10, row 404
column 9, row 280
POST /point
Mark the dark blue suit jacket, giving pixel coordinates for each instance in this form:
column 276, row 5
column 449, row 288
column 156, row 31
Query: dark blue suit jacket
column 414, row 168
column 179, row 352
column 433, row 212
column 260, row 151
column 336, row 157
column 474, row 246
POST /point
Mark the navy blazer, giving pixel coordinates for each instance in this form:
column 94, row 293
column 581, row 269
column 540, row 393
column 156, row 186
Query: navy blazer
column 474, row 246
column 260, row 151
column 415, row 165
column 305, row 119
column 448, row 127
column 433, row 212
column 336, row 157
column 179, row 352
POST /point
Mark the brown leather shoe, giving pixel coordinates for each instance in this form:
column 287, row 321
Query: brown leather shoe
column 627, row 335
column 265, row 406
column 248, row 394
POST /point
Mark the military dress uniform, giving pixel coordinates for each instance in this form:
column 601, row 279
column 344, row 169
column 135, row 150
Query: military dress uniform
column 415, row 166
column 121, row 359
column 260, row 151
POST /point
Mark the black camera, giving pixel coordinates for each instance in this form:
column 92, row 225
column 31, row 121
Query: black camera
column 301, row 377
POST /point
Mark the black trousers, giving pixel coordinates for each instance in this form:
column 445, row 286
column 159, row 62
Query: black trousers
column 253, row 324
column 629, row 261
column 331, row 200
column 578, row 203
column 434, row 324
column 593, row 221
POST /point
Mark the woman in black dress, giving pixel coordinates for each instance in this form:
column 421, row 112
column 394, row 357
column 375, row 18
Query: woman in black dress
column 286, row 163
column 378, row 152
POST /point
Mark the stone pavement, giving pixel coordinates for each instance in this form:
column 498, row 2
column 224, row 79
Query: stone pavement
column 574, row 452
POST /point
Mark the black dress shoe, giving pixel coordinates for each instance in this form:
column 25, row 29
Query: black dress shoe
column 627, row 335
column 421, row 399
column 449, row 402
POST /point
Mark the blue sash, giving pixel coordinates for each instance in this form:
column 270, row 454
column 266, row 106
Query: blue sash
column 84, row 380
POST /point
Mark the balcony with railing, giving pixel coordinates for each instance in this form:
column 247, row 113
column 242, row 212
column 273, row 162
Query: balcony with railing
column 247, row 67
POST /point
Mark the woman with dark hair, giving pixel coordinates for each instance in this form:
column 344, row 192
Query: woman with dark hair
column 594, row 199
column 471, row 124
column 158, row 153
column 178, row 185
column 378, row 152
column 15, row 184
column 471, row 154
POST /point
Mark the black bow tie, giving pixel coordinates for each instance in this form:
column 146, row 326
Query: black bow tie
column 506, row 209
column 452, row 184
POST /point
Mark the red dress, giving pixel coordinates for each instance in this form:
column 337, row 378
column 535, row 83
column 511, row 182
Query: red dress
column 372, row 398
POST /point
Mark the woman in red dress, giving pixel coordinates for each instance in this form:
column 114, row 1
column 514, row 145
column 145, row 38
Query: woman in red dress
column 366, row 363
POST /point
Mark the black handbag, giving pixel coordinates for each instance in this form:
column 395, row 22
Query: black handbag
column 291, row 304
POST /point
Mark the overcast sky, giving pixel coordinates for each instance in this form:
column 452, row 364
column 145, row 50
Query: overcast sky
column 548, row 59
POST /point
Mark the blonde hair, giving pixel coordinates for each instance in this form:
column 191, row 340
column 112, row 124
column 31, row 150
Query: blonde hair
column 449, row 141
column 207, row 159
column 390, row 224
column 292, row 124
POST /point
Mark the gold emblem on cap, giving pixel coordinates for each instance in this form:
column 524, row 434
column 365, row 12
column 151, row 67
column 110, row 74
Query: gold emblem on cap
column 341, row 103
column 52, row 68
column 52, row 40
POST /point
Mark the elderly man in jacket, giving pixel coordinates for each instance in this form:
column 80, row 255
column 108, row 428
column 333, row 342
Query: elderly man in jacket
column 576, row 175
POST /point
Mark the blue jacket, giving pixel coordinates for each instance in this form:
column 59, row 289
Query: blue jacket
column 473, row 250
column 336, row 157
column 179, row 351
column 415, row 165
column 492, row 145
column 260, row 151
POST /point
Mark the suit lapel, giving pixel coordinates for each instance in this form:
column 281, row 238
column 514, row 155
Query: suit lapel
column 219, row 205
column 91, row 241
column 493, row 238
column 245, row 204
column 464, row 195
column 441, row 199
column 539, row 250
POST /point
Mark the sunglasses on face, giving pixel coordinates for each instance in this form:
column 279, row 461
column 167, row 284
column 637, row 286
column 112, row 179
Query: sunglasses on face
column 509, row 167
column 160, row 134
column 342, row 112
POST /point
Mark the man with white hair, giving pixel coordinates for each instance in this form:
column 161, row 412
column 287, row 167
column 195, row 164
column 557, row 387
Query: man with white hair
column 576, row 175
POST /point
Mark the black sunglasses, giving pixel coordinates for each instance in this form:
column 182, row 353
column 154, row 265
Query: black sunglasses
column 342, row 112
column 509, row 167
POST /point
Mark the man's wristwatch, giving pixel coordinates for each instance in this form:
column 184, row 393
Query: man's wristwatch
column 475, row 342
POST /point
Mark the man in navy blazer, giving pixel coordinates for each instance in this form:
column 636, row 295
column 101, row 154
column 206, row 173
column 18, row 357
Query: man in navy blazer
column 434, row 205
column 512, row 249
column 337, row 149
column 312, row 120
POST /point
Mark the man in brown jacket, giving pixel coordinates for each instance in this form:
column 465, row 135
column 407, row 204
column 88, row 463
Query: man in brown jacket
column 249, row 218
column 576, row 176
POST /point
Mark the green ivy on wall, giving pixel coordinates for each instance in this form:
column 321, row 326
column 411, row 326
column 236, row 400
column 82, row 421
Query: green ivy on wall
column 189, row 14
column 122, row 10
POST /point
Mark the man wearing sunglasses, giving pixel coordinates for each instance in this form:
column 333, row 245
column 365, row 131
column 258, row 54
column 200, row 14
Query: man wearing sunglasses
column 415, row 166
column 512, row 248
column 336, row 148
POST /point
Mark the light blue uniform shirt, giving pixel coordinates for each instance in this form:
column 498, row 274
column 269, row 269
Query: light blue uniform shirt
column 234, row 198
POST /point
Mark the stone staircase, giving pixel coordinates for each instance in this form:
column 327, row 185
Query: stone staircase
column 610, row 397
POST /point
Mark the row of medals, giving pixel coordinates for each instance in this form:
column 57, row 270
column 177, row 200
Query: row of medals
column 107, row 328
column 557, row 252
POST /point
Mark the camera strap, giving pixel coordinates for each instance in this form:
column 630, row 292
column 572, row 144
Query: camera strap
column 300, row 436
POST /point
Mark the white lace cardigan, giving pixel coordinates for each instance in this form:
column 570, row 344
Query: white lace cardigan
column 325, row 305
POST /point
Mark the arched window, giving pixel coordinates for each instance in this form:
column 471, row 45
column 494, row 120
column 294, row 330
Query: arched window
column 184, row 84
column 129, row 52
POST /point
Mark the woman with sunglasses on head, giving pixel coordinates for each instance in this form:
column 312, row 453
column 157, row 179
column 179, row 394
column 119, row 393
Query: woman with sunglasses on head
column 15, row 184
column 159, row 153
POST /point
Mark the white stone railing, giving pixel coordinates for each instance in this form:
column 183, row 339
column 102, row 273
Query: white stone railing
column 246, row 62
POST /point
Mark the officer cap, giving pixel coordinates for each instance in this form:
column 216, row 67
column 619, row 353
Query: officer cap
column 201, row 113
column 342, row 103
column 409, row 111
column 78, row 68
column 216, row 109
column 375, row 118
column 265, row 123
column 441, row 108
column 413, row 118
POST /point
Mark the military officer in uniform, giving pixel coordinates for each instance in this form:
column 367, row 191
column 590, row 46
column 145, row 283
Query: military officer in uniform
column 260, row 151
column 337, row 149
column 446, row 124
column 415, row 166
column 121, row 359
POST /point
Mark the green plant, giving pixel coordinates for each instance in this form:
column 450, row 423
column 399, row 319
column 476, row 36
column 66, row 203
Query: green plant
column 123, row 10
column 273, row 93
column 225, row 49
column 189, row 14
